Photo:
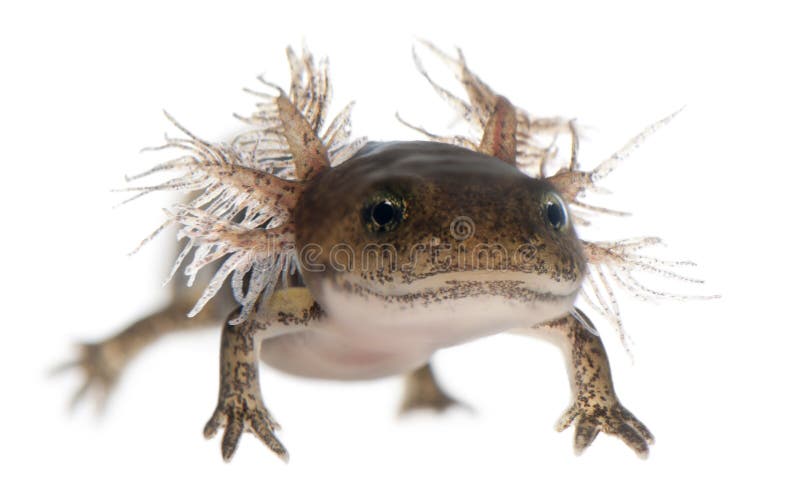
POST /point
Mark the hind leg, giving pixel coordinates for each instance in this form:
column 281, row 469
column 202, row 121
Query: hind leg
column 102, row 362
column 422, row 391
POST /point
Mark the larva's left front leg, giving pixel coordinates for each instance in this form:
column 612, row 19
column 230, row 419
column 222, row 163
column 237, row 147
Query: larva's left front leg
column 595, row 405
column 240, row 406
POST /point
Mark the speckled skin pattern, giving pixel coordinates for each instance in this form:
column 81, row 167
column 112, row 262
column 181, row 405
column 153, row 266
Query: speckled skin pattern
column 240, row 404
column 595, row 406
column 470, row 235
column 511, row 215
column 439, row 183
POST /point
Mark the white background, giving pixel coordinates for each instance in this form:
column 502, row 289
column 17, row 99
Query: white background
column 83, row 86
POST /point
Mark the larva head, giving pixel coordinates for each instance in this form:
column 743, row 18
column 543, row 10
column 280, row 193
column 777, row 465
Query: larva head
column 412, row 222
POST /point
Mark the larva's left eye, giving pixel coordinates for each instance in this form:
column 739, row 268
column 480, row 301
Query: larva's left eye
column 555, row 212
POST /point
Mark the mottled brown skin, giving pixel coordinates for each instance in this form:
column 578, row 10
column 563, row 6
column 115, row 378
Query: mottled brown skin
column 102, row 362
column 595, row 406
column 438, row 184
column 444, row 182
column 240, row 405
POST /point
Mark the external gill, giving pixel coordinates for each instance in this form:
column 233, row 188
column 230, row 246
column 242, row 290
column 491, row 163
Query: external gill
column 573, row 184
column 615, row 263
column 244, row 193
column 227, row 181
column 506, row 131
column 259, row 256
column 292, row 123
column 510, row 134
column 237, row 212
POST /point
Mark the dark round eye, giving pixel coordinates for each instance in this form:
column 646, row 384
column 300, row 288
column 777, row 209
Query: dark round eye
column 383, row 212
column 555, row 212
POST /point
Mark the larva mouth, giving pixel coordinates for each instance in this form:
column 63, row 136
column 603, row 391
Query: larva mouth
column 448, row 308
column 517, row 286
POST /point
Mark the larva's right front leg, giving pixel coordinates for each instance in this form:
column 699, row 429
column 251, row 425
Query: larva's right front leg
column 240, row 406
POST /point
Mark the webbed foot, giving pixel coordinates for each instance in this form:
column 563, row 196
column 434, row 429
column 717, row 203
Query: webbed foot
column 610, row 417
column 238, row 412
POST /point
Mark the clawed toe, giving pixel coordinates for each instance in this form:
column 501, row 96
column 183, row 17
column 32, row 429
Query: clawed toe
column 611, row 419
column 237, row 418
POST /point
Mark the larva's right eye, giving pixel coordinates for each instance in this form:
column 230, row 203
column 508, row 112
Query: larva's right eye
column 383, row 212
